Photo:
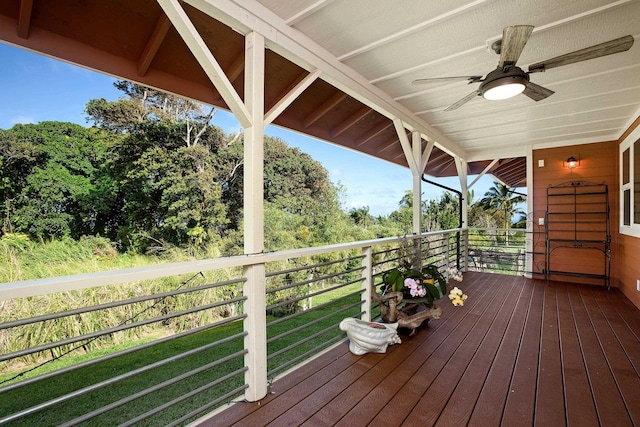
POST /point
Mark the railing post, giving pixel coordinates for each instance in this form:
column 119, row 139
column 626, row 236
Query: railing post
column 367, row 282
column 465, row 244
column 255, row 325
column 447, row 254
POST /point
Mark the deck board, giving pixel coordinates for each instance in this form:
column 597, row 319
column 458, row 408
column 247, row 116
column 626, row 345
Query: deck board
column 520, row 352
column 580, row 408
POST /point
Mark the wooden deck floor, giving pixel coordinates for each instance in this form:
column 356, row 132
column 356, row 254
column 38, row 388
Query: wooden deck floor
column 519, row 353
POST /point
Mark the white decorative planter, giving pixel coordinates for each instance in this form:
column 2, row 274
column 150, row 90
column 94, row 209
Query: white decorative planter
column 369, row 337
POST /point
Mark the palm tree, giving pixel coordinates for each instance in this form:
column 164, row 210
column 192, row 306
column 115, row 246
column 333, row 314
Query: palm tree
column 502, row 200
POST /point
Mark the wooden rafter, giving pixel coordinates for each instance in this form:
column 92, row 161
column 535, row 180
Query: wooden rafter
column 324, row 108
column 24, row 18
column 301, row 83
column 153, row 44
column 374, row 132
column 350, row 121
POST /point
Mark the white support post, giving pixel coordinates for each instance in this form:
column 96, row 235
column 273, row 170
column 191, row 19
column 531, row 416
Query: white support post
column 255, row 324
column 416, row 145
column 461, row 166
column 528, row 269
column 367, row 282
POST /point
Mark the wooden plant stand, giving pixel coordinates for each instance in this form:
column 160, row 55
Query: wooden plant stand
column 406, row 312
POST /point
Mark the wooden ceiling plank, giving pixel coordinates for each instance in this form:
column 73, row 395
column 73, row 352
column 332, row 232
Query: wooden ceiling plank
column 24, row 18
column 440, row 167
column 308, row 11
column 291, row 96
column 350, row 121
column 153, row 44
column 390, row 145
column 205, row 58
column 324, row 108
column 373, row 133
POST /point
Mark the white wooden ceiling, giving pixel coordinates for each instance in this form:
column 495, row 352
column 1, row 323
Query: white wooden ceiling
column 361, row 57
column 392, row 43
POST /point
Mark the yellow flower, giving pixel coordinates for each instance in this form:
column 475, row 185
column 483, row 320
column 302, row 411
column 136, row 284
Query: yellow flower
column 457, row 297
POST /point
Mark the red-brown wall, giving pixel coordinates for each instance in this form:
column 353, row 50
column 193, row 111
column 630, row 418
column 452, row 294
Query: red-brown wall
column 599, row 162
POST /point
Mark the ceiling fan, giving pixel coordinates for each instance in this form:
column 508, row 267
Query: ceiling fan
column 509, row 80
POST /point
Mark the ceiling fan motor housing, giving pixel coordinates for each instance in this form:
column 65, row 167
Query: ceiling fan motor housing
column 501, row 76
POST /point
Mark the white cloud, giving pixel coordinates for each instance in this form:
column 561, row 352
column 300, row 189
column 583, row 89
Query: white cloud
column 22, row 120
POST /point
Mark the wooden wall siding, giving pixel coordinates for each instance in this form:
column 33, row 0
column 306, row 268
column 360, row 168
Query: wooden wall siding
column 599, row 164
column 629, row 256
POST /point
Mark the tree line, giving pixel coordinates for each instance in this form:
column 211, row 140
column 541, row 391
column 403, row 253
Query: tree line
column 152, row 172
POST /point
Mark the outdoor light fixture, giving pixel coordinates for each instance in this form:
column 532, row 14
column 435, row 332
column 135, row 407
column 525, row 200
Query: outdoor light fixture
column 572, row 162
column 504, row 88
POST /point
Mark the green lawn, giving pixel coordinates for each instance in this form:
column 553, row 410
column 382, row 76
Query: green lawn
column 47, row 389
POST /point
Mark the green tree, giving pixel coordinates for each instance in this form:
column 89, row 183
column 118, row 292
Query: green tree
column 443, row 213
column 362, row 217
column 502, row 202
column 48, row 177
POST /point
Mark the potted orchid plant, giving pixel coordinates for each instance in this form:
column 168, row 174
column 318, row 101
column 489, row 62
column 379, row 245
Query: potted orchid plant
column 427, row 283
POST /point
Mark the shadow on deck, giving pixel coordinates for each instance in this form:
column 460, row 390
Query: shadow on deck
column 520, row 352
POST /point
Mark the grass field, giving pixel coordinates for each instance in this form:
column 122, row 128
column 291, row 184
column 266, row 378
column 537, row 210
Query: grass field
column 197, row 370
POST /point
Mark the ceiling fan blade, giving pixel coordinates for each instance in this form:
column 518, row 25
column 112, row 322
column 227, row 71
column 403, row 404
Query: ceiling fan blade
column 603, row 49
column 537, row 92
column 513, row 41
column 471, row 79
column 463, row 101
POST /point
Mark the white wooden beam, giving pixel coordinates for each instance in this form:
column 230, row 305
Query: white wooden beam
column 406, row 145
column 484, row 171
column 290, row 97
column 461, row 166
column 249, row 15
column 416, row 145
column 205, row 58
column 426, row 155
column 530, row 215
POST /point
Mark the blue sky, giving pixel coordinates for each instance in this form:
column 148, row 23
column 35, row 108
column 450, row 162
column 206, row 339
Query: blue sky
column 35, row 88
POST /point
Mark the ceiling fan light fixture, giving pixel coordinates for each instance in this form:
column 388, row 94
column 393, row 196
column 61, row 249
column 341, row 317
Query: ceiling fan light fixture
column 504, row 88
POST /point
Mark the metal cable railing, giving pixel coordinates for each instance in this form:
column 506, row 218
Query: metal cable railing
column 308, row 292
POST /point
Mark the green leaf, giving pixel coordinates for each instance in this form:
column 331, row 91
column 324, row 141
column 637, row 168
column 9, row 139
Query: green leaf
column 395, row 279
column 433, row 291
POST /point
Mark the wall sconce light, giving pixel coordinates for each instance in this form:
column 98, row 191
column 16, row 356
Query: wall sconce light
column 572, row 162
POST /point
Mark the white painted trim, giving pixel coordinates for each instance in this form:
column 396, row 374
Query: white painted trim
column 290, row 97
column 632, row 229
column 404, row 142
column 426, row 155
column 483, row 173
